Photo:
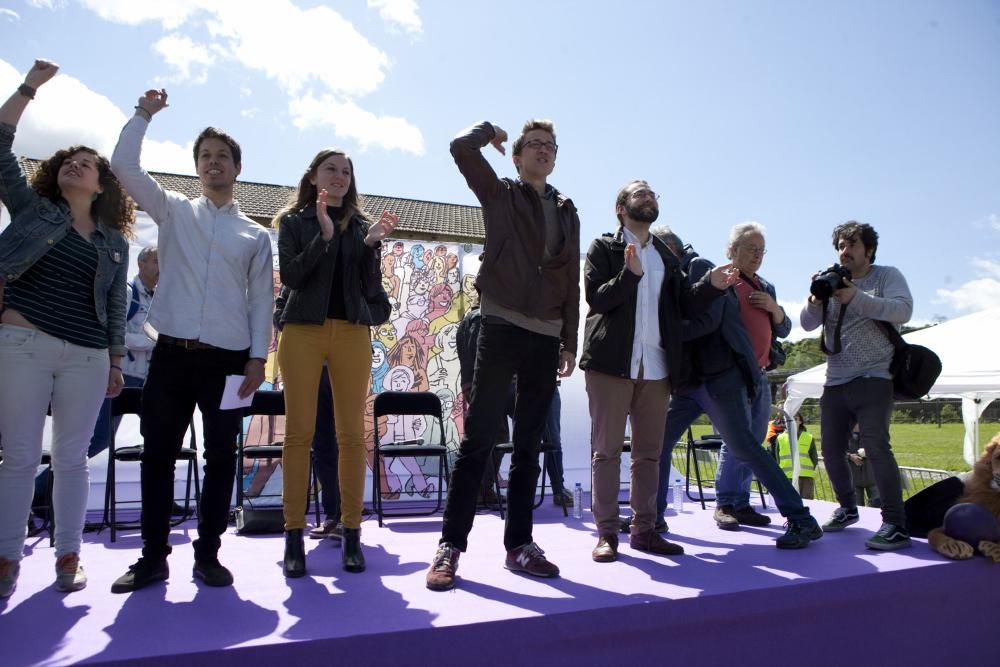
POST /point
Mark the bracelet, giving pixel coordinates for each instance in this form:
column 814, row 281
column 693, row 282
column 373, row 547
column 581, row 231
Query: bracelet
column 27, row 91
column 149, row 116
column 117, row 367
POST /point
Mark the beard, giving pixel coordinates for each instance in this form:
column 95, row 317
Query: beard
column 648, row 213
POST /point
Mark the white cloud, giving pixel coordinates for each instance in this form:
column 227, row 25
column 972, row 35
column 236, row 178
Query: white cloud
column 190, row 61
column 991, row 221
column 978, row 294
column 67, row 112
column 41, row 4
column 349, row 120
column 310, row 54
column 250, row 113
column 792, row 309
column 133, row 12
column 9, row 14
column 401, row 13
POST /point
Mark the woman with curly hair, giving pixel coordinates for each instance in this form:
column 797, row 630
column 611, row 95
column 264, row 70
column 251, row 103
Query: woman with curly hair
column 329, row 255
column 62, row 329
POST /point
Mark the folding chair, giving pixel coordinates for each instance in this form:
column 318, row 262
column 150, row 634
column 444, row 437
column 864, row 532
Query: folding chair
column 707, row 444
column 129, row 402
column 408, row 403
column 505, row 448
column 267, row 403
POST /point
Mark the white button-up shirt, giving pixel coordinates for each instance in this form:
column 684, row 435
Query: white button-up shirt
column 647, row 348
column 215, row 263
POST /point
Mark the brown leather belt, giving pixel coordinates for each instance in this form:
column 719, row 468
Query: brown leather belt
column 186, row 343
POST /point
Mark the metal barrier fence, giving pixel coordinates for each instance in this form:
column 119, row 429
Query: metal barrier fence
column 914, row 479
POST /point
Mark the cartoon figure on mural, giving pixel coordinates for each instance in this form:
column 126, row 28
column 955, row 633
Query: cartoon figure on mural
column 402, row 428
column 380, row 366
column 443, row 369
column 409, row 353
column 451, row 436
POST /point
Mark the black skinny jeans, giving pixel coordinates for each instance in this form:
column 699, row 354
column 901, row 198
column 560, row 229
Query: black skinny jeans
column 178, row 380
column 503, row 351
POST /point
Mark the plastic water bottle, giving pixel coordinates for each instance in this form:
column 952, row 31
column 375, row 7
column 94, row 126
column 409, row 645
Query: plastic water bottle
column 578, row 501
column 678, row 494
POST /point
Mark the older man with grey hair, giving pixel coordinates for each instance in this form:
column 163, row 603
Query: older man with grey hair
column 726, row 352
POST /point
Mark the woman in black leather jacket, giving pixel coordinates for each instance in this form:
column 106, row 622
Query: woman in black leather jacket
column 329, row 258
column 63, row 262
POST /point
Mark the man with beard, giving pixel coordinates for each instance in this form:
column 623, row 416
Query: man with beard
column 858, row 381
column 638, row 296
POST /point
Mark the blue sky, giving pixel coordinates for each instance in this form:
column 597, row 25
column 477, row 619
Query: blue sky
column 799, row 115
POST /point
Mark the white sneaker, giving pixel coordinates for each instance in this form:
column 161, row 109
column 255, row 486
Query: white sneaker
column 69, row 573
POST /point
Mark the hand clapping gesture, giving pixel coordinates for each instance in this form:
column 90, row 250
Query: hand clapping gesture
column 325, row 223
column 632, row 262
column 381, row 229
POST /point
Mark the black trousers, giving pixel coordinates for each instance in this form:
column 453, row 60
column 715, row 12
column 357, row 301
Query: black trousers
column 503, row 351
column 178, row 380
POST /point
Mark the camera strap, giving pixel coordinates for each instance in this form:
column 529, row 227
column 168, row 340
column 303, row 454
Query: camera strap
column 836, row 329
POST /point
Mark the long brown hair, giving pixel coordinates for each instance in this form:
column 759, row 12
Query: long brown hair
column 113, row 206
column 305, row 195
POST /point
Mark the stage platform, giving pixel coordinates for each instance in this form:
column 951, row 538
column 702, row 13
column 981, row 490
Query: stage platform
column 732, row 599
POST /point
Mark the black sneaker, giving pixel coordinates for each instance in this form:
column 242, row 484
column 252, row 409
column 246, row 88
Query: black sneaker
column 748, row 516
column 841, row 519
column 141, row 574
column 212, row 572
column 799, row 534
column 889, row 538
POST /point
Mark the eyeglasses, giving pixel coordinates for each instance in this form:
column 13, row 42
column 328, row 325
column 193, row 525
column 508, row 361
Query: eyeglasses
column 754, row 250
column 643, row 194
column 536, row 144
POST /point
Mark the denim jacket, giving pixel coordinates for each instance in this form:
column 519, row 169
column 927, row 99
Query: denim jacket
column 38, row 223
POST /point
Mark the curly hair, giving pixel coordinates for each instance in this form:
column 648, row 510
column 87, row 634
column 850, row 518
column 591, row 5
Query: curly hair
column 113, row 206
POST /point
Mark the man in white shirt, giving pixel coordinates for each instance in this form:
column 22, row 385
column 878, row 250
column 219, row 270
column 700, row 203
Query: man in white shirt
column 212, row 318
column 638, row 296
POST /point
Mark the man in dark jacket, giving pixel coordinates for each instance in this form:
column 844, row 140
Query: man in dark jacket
column 636, row 293
column 726, row 380
column 529, row 282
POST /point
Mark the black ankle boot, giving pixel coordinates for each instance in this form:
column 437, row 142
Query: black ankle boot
column 354, row 560
column 295, row 553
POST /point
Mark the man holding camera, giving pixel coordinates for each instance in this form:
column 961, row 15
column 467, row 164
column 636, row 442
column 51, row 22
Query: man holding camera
column 850, row 300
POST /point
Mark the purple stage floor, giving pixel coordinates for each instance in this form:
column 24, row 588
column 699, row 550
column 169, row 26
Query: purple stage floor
column 733, row 596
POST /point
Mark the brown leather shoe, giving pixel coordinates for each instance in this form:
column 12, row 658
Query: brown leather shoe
column 606, row 550
column 651, row 542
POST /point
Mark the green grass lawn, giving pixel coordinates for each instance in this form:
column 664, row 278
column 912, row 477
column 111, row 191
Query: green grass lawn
column 922, row 445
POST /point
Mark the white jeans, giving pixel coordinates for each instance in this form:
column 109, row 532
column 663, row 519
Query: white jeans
column 37, row 369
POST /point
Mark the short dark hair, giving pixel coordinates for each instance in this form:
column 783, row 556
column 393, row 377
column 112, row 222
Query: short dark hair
column 852, row 230
column 216, row 133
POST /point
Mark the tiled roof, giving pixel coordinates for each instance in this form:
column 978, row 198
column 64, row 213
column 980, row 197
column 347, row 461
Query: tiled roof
column 428, row 220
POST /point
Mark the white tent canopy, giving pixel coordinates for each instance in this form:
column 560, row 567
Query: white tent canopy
column 970, row 360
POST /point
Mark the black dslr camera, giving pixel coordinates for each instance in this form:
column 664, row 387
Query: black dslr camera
column 828, row 281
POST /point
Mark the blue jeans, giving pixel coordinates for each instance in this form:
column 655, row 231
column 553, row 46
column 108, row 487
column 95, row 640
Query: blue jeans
column 733, row 477
column 552, row 444
column 735, row 417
